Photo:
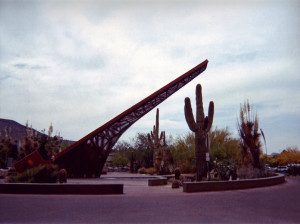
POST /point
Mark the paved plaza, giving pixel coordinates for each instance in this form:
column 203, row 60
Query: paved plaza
column 161, row 204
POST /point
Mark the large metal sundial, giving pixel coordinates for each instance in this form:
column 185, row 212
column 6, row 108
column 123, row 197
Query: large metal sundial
column 86, row 157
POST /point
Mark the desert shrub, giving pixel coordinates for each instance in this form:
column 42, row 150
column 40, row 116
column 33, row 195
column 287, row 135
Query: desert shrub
column 249, row 172
column 142, row 170
column 188, row 167
column 223, row 170
column 47, row 173
column 150, row 170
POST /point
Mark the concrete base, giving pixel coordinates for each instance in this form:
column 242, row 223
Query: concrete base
column 190, row 187
column 158, row 182
column 82, row 189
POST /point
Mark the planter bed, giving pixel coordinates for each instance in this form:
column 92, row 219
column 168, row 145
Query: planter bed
column 158, row 181
column 190, row 187
column 44, row 188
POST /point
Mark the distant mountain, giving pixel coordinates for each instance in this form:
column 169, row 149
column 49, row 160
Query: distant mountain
column 18, row 131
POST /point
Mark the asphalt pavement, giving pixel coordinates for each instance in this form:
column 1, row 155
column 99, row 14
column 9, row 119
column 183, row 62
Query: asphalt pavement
column 161, row 204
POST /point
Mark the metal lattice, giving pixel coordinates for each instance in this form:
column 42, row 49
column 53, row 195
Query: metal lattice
column 99, row 143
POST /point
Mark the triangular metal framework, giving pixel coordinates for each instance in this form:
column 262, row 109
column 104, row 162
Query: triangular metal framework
column 87, row 156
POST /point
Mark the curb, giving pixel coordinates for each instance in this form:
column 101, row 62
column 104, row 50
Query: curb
column 80, row 189
column 190, row 187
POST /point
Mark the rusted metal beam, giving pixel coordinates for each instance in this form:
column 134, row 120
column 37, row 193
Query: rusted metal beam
column 104, row 138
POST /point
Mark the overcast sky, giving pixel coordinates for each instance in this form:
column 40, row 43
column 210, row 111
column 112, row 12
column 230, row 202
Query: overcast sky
column 78, row 64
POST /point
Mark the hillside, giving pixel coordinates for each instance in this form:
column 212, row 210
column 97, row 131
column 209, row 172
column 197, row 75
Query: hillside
column 18, row 131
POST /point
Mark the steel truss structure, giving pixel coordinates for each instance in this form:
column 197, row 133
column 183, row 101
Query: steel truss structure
column 87, row 156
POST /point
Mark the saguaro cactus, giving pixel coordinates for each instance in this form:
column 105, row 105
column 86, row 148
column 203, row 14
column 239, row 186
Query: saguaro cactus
column 201, row 128
column 156, row 142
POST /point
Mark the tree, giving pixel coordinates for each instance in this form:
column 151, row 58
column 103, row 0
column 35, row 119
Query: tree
column 183, row 153
column 137, row 152
column 141, row 144
column 132, row 155
column 119, row 159
column 288, row 156
column 223, row 147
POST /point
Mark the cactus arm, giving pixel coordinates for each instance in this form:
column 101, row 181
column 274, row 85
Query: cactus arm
column 161, row 135
column 150, row 140
column 199, row 104
column 210, row 117
column 153, row 133
column 188, row 113
column 157, row 122
column 162, row 138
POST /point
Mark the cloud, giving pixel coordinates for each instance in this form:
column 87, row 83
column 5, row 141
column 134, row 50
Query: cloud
column 78, row 65
column 4, row 77
column 27, row 66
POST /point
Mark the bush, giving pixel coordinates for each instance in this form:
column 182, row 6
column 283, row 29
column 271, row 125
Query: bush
column 62, row 176
column 248, row 172
column 142, row 170
column 47, row 173
column 224, row 170
column 150, row 170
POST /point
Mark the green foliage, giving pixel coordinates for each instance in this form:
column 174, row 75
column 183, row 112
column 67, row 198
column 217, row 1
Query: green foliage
column 139, row 153
column 225, row 169
column 136, row 152
column 3, row 153
column 183, row 153
column 47, row 145
column 120, row 159
column 41, row 174
column 8, row 149
column 224, row 150
column 223, row 147
column 141, row 144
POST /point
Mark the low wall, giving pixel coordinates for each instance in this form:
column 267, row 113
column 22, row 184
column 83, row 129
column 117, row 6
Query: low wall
column 84, row 189
column 158, row 181
column 190, row 187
